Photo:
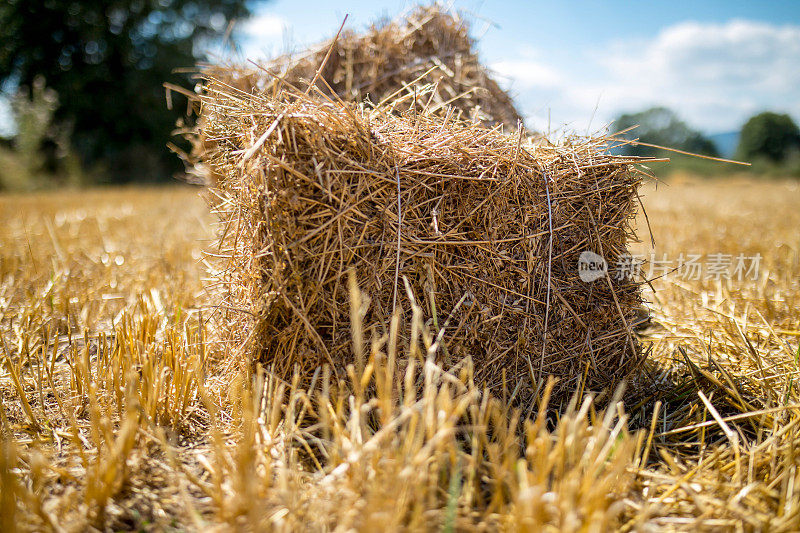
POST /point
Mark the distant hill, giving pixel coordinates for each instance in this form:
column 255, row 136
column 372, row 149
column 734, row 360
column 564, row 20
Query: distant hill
column 726, row 143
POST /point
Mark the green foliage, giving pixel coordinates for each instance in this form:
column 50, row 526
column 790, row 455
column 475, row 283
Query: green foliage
column 13, row 172
column 33, row 116
column 762, row 169
column 771, row 137
column 694, row 166
column 107, row 61
column 40, row 153
column 662, row 127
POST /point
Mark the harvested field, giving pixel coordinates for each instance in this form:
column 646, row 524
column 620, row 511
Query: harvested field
column 390, row 306
column 193, row 447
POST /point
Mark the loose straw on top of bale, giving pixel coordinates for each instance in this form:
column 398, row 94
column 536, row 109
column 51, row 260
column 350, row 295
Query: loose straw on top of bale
column 477, row 221
column 430, row 45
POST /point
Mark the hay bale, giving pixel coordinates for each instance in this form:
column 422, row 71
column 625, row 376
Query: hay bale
column 430, row 45
column 482, row 221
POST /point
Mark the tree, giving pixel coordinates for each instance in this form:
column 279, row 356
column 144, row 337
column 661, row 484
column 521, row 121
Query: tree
column 768, row 135
column 107, row 61
column 662, row 127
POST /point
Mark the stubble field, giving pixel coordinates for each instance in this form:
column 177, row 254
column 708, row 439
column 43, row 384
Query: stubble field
column 121, row 411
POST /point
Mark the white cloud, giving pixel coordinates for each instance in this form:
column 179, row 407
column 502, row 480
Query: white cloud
column 264, row 26
column 263, row 35
column 714, row 75
column 528, row 73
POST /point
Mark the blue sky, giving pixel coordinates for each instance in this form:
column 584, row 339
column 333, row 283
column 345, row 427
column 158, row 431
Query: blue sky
column 571, row 62
column 576, row 64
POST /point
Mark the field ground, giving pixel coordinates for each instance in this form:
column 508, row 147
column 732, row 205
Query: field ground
column 119, row 410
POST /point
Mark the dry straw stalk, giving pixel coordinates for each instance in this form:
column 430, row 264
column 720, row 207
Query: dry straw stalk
column 484, row 228
column 428, row 46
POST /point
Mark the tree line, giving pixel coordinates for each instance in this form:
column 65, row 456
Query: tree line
column 767, row 136
column 85, row 80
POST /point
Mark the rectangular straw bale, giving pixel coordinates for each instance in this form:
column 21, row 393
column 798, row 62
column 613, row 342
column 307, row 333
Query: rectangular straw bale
column 477, row 221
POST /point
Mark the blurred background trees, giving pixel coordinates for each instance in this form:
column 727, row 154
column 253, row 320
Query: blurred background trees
column 40, row 153
column 769, row 136
column 93, row 71
column 770, row 141
column 662, row 127
column 84, row 80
